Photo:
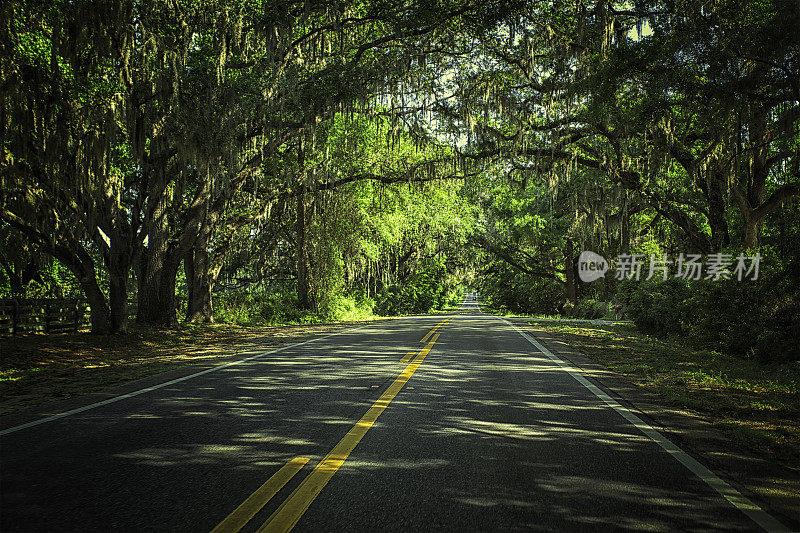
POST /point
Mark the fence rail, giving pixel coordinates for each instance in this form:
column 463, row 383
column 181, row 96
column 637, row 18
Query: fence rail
column 54, row 315
column 48, row 315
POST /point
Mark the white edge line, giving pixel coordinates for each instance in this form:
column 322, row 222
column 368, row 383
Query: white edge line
column 77, row 410
column 765, row 520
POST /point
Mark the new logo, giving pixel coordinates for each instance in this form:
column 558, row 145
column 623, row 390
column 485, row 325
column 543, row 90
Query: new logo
column 591, row 266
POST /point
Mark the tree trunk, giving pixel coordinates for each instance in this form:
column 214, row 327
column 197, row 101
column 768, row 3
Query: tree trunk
column 753, row 217
column 304, row 300
column 119, row 266
column 752, row 197
column 200, row 279
column 200, row 307
column 159, row 269
column 118, row 299
column 157, row 304
column 751, row 237
column 189, row 272
column 569, row 270
column 303, row 281
column 99, row 314
column 717, row 189
column 168, row 244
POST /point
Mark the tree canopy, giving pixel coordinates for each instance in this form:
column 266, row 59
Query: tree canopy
column 381, row 155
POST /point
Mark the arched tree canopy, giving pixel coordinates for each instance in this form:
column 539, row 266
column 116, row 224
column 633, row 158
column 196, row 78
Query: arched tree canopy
column 378, row 155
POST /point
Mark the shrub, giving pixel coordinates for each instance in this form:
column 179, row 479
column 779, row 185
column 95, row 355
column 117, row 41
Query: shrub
column 429, row 287
column 660, row 307
column 753, row 319
column 750, row 319
column 357, row 307
column 593, row 309
column 520, row 293
column 260, row 309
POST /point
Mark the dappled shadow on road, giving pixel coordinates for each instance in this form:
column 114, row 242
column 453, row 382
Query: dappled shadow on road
column 486, row 436
column 510, row 441
column 149, row 462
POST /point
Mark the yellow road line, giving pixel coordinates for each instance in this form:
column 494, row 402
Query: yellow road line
column 433, row 341
column 286, row 516
column 426, row 337
column 256, row 501
column 437, row 326
column 407, row 357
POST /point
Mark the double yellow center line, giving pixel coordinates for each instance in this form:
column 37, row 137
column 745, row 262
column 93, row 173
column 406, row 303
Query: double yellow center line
column 437, row 326
column 289, row 512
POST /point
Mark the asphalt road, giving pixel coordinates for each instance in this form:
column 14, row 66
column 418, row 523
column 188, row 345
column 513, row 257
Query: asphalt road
column 476, row 430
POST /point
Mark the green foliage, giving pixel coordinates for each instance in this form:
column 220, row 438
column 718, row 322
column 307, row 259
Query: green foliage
column 752, row 319
column 507, row 289
column 593, row 309
column 428, row 288
column 248, row 309
column 660, row 307
column 280, row 147
column 348, row 308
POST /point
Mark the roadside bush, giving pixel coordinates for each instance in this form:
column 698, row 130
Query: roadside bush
column 234, row 308
column 624, row 294
column 726, row 315
column 592, row 309
column 780, row 340
column 660, row 307
column 249, row 309
column 428, row 288
column 351, row 308
column 414, row 298
column 508, row 290
column 752, row 319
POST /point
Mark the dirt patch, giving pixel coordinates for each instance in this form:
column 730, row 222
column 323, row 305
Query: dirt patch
column 36, row 369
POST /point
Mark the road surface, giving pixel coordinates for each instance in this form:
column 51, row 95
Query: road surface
column 454, row 422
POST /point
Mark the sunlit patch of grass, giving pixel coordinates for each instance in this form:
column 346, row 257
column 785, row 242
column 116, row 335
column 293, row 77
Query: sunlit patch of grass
column 634, row 368
column 756, row 404
column 15, row 374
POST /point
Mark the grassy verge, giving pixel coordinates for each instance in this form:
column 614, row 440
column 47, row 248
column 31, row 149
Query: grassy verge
column 36, row 369
column 757, row 405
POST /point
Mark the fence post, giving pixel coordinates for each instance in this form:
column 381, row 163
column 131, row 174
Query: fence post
column 46, row 316
column 75, row 325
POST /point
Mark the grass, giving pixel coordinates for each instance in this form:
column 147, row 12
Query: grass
column 36, row 368
column 758, row 405
column 488, row 307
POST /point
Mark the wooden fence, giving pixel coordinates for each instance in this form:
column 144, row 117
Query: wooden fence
column 48, row 315
column 54, row 315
